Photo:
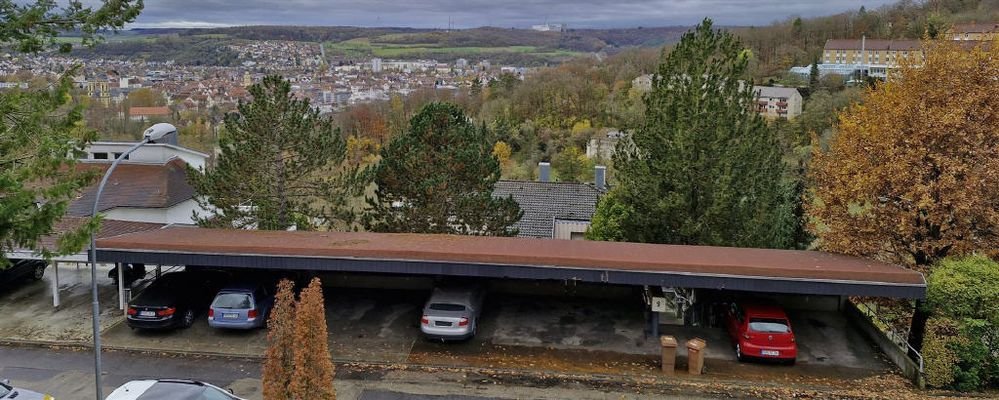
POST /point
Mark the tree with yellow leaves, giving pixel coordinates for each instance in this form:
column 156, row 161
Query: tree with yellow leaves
column 913, row 174
column 279, row 362
column 313, row 376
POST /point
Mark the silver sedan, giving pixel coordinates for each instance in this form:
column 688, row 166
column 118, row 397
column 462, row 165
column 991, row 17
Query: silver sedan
column 452, row 313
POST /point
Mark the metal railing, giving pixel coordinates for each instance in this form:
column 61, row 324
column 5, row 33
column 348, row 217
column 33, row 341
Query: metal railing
column 900, row 340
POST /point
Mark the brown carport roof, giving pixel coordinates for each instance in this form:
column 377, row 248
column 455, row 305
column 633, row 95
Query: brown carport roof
column 623, row 263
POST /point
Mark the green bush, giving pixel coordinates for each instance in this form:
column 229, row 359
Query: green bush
column 962, row 342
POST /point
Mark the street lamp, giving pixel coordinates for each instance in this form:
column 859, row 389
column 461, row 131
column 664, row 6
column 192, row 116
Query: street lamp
column 154, row 133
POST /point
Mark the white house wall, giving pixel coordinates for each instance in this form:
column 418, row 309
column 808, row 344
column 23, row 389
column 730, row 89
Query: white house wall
column 178, row 214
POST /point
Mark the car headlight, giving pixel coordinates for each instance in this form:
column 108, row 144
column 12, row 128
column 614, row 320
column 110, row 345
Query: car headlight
column 47, row 397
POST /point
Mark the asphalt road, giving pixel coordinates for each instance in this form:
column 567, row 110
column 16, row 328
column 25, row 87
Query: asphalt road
column 68, row 374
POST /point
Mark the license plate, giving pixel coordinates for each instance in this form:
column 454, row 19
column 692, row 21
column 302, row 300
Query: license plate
column 147, row 313
column 442, row 323
column 772, row 353
column 230, row 315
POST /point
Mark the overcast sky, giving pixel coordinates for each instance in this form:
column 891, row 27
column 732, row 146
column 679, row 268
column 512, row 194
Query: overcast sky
column 474, row 13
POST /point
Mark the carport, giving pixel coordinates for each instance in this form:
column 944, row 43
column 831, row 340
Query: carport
column 654, row 265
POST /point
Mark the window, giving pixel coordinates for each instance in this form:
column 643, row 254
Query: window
column 100, row 156
column 117, row 155
column 233, row 300
column 769, row 325
column 447, row 307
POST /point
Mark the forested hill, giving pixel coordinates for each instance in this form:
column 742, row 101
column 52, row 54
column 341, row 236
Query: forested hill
column 583, row 40
column 798, row 41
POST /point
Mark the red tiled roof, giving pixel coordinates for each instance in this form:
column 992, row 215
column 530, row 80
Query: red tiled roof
column 702, row 260
column 136, row 185
column 148, row 111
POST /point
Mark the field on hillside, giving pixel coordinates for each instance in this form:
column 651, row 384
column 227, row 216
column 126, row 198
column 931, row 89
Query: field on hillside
column 384, row 47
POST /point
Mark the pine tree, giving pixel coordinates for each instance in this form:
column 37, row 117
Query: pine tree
column 438, row 177
column 279, row 362
column 282, row 165
column 704, row 168
column 313, row 376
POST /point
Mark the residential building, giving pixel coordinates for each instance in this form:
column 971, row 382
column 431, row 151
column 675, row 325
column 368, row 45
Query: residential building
column 376, row 65
column 554, row 210
column 973, row 31
column 642, row 82
column 778, row 102
column 873, row 57
column 149, row 186
column 603, row 147
column 148, row 113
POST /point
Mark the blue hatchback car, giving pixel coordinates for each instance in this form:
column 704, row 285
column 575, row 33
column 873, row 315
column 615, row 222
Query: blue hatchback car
column 241, row 306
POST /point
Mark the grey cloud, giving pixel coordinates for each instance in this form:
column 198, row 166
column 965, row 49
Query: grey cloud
column 473, row 13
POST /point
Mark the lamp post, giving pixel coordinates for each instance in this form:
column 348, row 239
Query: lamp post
column 154, row 133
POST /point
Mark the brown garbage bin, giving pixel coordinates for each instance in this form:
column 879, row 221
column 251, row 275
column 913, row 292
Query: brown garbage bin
column 669, row 354
column 695, row 355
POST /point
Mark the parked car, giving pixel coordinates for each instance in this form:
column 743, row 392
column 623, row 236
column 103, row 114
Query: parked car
column 170, row 389
column 241, row 306
column 9, row 392
column 761, row 331
column 452, row 313
column 175, row 299
column 22, row 269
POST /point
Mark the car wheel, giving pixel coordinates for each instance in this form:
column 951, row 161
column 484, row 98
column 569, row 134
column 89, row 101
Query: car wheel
column 738, row 353
column 188, row 318
column 38, row 273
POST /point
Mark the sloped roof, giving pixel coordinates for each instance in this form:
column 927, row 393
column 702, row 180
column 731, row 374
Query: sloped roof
column 872, row 44
column 109, row 228
column 975, row 28
column 136, row 185
column 148, row 111
column 774, row 91
column 543, row 202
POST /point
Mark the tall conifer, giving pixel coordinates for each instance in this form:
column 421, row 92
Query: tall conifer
column 704, row 168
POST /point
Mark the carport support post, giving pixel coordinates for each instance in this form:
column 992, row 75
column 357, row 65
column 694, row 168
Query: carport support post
column 55, row 284
column 121, row 285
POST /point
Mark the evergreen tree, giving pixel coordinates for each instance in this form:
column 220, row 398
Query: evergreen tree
column 279, row 360
column 282, row 165
column 438, row 177
column 313, row 376
column 704, row 168
column 42, row 134
column 813, row 74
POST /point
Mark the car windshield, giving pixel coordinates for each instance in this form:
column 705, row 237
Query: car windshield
column 447, row 307
column 182, row 391
column 4, row 390
column 769, row 325
column 233, row 300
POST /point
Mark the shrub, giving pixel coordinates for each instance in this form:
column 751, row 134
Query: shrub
column 962, row 348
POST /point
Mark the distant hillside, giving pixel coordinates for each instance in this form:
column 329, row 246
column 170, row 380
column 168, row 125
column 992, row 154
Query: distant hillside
column 351, row 44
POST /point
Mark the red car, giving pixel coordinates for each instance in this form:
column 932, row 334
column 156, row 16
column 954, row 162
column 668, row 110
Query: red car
column 761, row 331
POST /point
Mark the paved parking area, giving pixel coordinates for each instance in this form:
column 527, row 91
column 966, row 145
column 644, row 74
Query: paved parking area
column 581, row 335
column 27, row 311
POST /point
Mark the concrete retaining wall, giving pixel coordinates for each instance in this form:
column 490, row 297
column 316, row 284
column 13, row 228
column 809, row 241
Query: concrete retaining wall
column 895, row 353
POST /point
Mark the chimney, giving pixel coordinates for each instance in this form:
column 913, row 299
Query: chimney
column 600, row 177
column 544, row 171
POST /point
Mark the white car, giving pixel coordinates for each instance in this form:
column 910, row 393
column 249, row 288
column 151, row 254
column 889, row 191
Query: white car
column 452, row 313
column 170, row 389
column 9, row 392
